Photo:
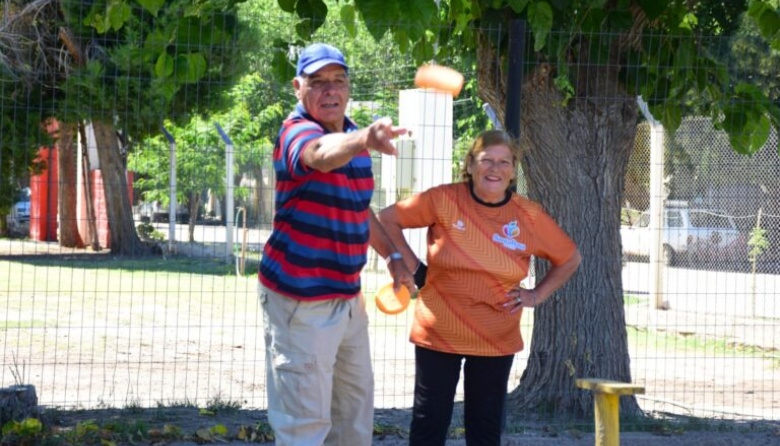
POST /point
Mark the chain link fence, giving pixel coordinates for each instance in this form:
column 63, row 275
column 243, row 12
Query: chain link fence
column 92, row 331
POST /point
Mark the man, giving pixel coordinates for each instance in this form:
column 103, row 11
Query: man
column 320, row 382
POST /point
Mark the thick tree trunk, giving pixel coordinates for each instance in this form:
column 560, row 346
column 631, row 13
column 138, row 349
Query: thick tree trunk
column 124, row 238
column 66, row 204
column 575, row 161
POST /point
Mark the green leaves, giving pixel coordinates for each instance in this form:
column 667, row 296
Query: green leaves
column 380, row 15
column 423, row 50
column 190, row 68
column 183, row 69
column 287, row 5
column 767, row 17
column 111, row 17
column 118, row 14
column 153, row 6
column 311, row 12
column 192, row 31
column 652, row 8
column 769, row 23
column 517, row 5
column 164, row 65
column 672, row 116
column 283, row 69
column 29, row 427
column 746, row 118
column 689, row 22
column 540, row 16
column 347, row 14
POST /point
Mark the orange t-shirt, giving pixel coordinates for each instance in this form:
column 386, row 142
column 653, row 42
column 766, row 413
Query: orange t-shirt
column 476, row 254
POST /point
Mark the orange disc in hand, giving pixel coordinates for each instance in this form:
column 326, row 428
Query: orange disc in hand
column 390, row 302
column 439, row 78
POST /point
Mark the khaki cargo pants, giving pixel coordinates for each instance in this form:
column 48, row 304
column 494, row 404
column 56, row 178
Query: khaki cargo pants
column 319, row 377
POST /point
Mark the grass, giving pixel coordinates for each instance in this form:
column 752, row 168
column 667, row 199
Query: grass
column 218, row 405
column 121, row 304
column 633, row 299
column 642, row 339
column 175, row 265
column 8, row 324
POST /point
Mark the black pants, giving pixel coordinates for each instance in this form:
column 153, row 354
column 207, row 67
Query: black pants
column 484, row 384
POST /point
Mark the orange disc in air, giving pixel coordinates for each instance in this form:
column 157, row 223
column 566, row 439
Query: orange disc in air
column 439, row 78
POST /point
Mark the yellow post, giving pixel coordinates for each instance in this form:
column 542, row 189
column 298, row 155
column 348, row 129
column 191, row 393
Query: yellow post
column 606, row 395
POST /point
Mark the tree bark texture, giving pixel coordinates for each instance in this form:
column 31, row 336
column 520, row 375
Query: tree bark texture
column 575, row 161
column 66, row 203
column 193, row 209
column 575, row 157
column 258, row 200
column 17, row 403
column 124, row 238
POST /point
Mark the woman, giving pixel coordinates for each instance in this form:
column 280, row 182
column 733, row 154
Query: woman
column 481, row 236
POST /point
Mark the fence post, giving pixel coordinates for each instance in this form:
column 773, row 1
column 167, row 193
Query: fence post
column 172, row 191
column 228, row 191
column 656, row 207
column 515, row 76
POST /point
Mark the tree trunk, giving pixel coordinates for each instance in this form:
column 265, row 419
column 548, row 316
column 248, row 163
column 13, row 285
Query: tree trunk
column 18, row 402
column 124, row 238
column 575, row 159
column 193, row 208
column 259, row 212
column 66, row 203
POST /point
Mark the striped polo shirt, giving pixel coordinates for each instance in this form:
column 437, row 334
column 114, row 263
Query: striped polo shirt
column 320, row 235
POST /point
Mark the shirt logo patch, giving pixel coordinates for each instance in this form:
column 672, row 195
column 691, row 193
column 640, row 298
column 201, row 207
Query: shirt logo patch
column 508, row 239
column 459, row 225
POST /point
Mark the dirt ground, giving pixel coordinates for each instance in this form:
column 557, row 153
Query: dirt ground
column 160, row 348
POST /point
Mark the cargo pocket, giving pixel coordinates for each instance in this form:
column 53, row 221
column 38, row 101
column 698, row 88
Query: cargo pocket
column 297, row 380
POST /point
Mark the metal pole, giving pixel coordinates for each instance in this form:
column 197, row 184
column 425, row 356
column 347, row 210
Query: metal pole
column 515, row 77
column 228, row 191
column 172, row 188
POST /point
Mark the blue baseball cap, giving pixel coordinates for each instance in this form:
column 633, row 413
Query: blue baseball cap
column 316, row 56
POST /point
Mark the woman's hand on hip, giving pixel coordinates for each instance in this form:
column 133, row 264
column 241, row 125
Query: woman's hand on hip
column 518, row 298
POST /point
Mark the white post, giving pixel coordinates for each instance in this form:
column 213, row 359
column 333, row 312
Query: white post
column 228, row 191
column 428, row 114
column 172, row 191
column 656, row 208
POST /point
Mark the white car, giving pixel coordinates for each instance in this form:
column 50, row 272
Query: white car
column 689, row 234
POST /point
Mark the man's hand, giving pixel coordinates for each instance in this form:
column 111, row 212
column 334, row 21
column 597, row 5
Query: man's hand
column 380, row 134
column 401, row 275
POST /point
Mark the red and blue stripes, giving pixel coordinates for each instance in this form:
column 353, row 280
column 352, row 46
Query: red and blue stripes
column 320, row 232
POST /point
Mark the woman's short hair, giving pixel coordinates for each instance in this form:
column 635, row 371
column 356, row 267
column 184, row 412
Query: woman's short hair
column 484, row 140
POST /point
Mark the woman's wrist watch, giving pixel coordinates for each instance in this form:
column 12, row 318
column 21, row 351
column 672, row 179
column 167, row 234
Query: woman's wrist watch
column 393, row 256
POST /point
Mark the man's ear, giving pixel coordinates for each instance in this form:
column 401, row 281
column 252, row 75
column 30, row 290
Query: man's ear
column 297, row 84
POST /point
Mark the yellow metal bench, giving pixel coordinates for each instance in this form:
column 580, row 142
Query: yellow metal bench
column 606, row 395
